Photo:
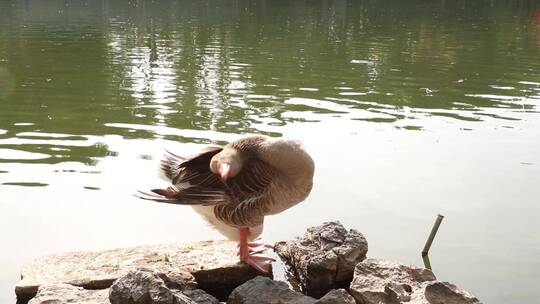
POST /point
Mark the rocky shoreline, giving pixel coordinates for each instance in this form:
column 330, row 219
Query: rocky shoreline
column 327, row 265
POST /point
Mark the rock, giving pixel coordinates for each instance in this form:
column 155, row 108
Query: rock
column 324, row 258
column 65, row 293
column 336, row 296
column 384, row 282
column 262, row 290
column 142, row 286
column 381, row 282
column 213, row 264
column 448, row 293
column 199, row 296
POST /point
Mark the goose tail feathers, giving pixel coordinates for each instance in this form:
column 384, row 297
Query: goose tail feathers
column 170, row 165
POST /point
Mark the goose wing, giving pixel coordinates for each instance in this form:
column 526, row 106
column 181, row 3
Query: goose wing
column 241, row 201
column 195, row 195
column 192, row 181
column 193, row 170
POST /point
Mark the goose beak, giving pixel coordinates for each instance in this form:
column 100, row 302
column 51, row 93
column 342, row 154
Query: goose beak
column 223, row 170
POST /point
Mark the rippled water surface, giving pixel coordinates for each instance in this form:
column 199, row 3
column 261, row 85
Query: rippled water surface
column 409, row 109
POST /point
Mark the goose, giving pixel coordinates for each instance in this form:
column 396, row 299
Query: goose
column 235, row 186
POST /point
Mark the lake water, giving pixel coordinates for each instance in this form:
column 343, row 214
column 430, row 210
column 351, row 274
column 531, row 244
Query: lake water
column 409, row 109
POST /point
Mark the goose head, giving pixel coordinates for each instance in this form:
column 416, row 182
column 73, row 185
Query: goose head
column 227, row 163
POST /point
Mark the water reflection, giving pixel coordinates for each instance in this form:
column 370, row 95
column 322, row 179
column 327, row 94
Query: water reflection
column 51, row 148
column 25, row 184
column 202, row 71
column 234, row 68
column 251, row 67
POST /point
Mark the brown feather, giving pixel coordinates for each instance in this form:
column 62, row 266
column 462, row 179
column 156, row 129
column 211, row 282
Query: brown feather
column 242, row 200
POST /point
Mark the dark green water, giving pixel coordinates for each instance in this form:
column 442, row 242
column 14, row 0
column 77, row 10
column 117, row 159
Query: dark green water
column 409, row 109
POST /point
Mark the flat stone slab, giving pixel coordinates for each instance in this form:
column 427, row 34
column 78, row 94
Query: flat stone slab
column 211, row 265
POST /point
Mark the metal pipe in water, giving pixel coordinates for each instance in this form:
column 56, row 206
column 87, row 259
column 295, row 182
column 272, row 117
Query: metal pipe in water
column 432, row 235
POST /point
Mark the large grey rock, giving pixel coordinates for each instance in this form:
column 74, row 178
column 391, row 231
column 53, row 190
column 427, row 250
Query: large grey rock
column 262, row 290
column 213, row 264
column 65, row 293
column 324, row 258
column 142, row 286
column 336, row 296
column 448, row 293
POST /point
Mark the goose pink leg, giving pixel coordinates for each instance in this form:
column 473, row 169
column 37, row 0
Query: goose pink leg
column 250, row 253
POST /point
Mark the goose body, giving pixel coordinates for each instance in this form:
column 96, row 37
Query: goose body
column 235, row 186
